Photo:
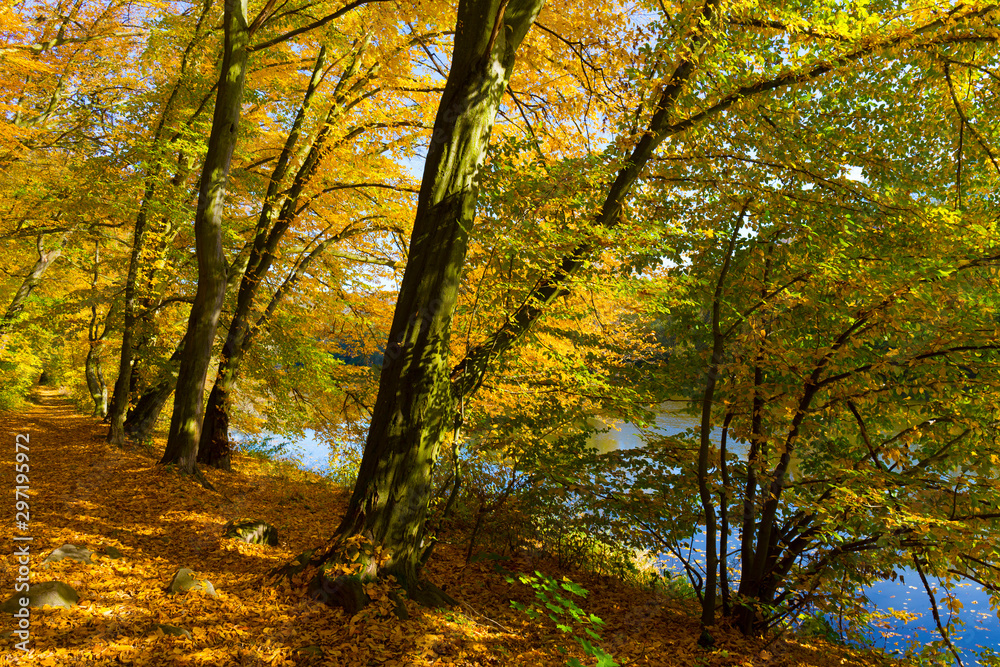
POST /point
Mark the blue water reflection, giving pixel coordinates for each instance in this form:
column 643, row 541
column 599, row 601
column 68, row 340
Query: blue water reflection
column 981, row 629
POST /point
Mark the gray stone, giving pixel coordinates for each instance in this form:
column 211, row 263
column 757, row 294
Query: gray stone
column 251, row 531
column 111, row 552
column 173, row 630
column 51, row 593
column 184, row 581
column 312, row 651
column 70, row 551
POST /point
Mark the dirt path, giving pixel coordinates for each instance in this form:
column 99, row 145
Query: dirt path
column 87, row 493
column 59, row 442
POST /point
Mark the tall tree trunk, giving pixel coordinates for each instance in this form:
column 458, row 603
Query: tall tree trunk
column 704, row 450
column 92, row 366
column 214, row 447
column 185, row 422
column 414, row 409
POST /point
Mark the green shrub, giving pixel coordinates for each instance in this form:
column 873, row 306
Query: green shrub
column 568, row 617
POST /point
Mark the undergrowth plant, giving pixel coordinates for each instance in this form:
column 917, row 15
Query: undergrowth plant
column 262, row 447
column 565, row 613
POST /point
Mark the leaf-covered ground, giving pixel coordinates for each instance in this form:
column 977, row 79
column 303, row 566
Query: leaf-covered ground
column 87, row 493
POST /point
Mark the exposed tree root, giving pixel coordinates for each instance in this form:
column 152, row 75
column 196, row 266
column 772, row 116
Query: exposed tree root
column 337, row 577
column 197, row 475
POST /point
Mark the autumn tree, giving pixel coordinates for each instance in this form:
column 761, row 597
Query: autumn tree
column 414, row 405
column 57, row 125
column 186, row 420
column 834, row 256
column 683, row 96
column 305, row 174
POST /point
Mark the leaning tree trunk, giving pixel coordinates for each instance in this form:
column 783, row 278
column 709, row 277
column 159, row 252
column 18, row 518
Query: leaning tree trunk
column 214, row 448
column 185, row 423
column 414, row 409
column 92, row 366
column 142, row 418
column 31, row 281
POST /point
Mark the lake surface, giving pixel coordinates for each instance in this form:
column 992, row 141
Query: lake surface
column 982, row 627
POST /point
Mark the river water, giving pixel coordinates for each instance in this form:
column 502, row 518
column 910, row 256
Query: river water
column 982, row 627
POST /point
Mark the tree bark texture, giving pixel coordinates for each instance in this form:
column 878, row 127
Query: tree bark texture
column 414, row 409
column 185, row 423
column 142, row 418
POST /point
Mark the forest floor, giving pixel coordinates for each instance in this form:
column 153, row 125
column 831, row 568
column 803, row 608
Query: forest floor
column 87, row 493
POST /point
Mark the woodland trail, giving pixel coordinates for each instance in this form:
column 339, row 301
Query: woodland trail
column 87, row 493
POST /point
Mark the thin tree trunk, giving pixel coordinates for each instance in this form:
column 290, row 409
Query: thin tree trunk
column 92, row 366
column 724, row 517
column 711, row 380
column 119, row 398
column 31, row 281
column 95, row 382
column 745, row 614
column 185, row 423
column 123, row 383
column 761, row 575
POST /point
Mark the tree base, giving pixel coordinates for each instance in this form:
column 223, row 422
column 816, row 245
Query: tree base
column 196, row 474
column 222, row 463
column 338, row 580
